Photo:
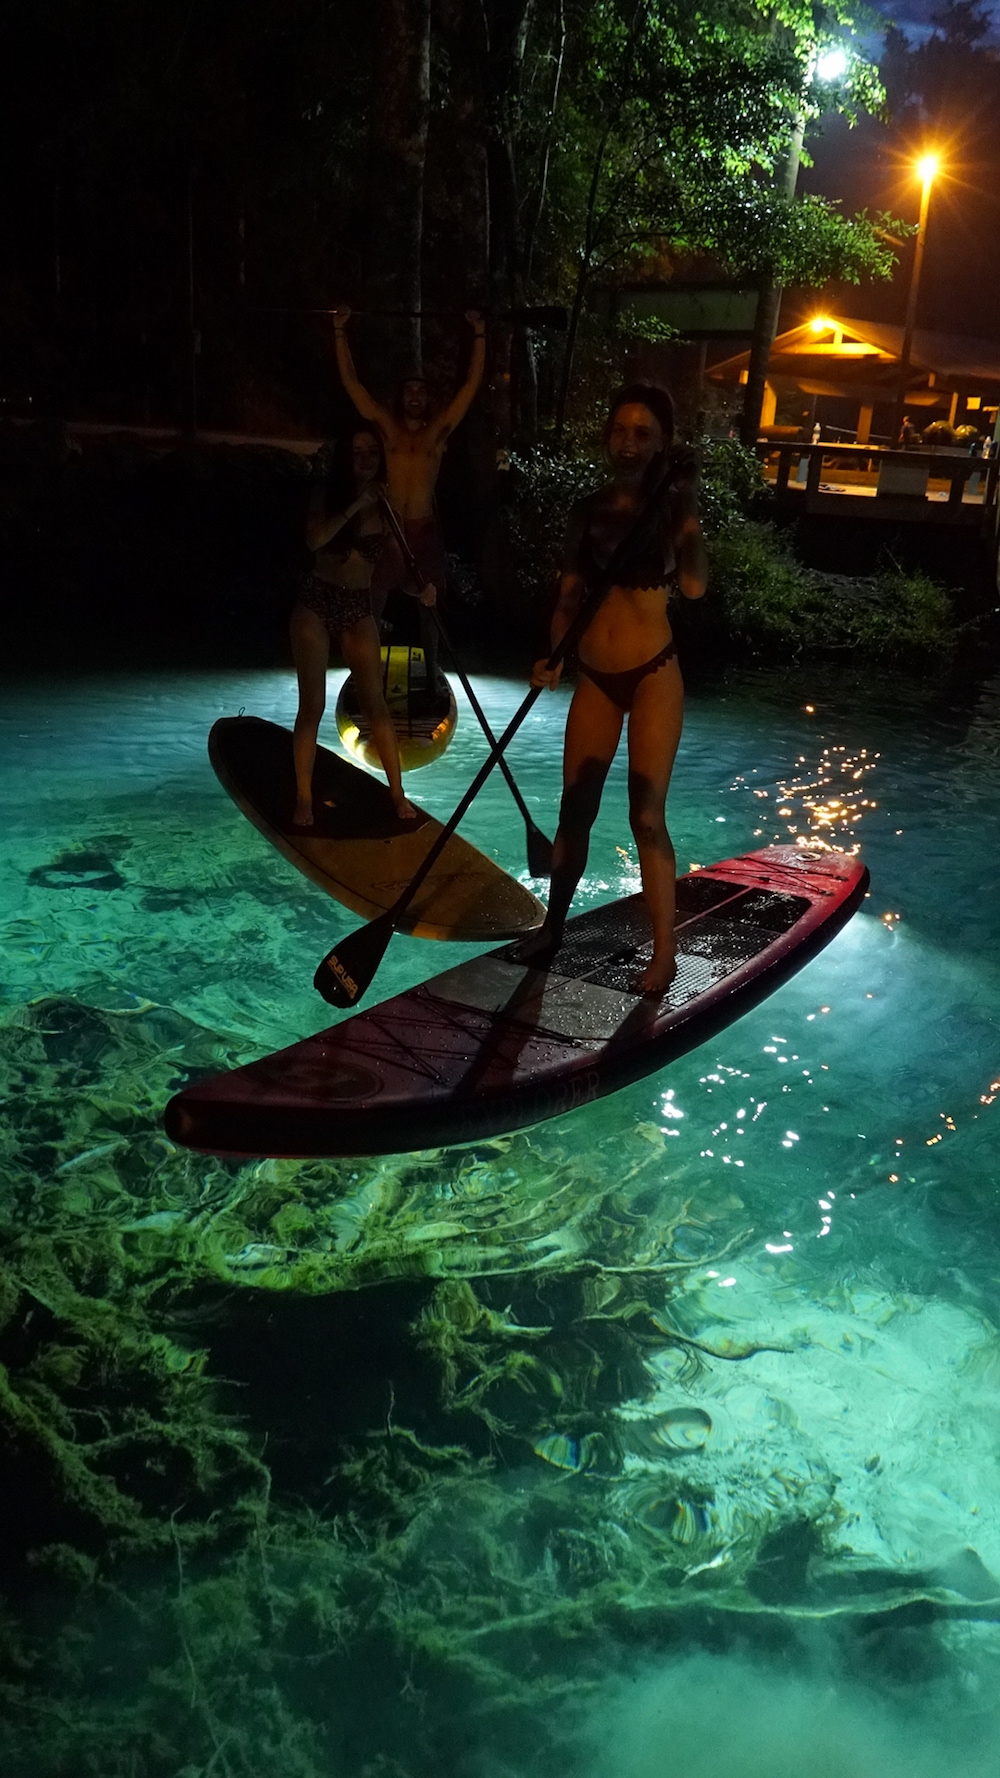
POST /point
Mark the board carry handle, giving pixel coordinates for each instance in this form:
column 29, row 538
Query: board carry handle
column 347, row 971
column 539, row 847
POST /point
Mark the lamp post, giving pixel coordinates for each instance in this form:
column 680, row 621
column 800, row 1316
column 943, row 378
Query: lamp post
column 828, row 67
column 927, row 167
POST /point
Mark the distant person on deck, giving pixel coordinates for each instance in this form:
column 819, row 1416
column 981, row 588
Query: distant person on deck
column 627, row 660
column 414, row 440
column 348, row 536
column 909, row 437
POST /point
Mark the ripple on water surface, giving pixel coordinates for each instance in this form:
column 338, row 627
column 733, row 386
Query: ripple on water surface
column 753, row 1293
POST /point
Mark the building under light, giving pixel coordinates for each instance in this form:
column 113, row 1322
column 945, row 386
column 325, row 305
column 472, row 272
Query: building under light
column 842, row 374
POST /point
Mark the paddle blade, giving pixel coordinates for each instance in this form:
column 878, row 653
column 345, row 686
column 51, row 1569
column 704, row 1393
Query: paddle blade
column 539, row 852
column 346, row 972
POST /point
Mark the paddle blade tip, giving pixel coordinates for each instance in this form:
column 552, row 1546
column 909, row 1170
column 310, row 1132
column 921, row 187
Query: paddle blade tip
column 336, row 983
column 346, row 973
column 539, row 854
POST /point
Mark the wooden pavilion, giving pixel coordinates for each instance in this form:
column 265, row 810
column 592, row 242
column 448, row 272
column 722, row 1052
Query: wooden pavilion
column 844, row 374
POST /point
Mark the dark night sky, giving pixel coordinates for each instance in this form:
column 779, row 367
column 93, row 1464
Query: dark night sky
column 914, row 16
column 870, row 167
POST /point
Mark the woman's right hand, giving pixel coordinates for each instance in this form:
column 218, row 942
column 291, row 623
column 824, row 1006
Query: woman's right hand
column 544, row 677
column 367, row 497
column 341, row 315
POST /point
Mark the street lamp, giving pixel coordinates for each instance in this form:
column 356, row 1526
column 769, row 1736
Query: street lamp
column 927, row 167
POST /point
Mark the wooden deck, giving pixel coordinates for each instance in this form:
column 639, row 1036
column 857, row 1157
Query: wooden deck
column 870, row 482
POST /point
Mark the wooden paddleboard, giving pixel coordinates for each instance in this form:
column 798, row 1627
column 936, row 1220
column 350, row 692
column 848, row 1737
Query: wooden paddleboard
column 493, row 1045
column 424, row 716
column 359, row 850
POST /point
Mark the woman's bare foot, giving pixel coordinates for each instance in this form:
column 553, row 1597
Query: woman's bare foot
column 404, row 808
column 658, row 973
column 303, row 816
column 538, row 949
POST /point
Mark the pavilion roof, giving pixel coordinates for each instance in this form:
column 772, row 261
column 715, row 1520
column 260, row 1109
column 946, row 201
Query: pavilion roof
column 847, row 353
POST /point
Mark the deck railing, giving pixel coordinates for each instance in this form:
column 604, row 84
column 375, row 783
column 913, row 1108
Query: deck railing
column 942, row 485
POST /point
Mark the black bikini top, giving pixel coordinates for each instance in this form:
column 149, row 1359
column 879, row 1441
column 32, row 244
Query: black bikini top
column 368, row 544
column 600, row 536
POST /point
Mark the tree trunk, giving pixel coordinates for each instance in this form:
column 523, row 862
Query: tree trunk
column 397, row 153
column 507, row 24
column 768, row 306
column 458, row 161
column 765, row 327
column 591, row 225
column 538, row 208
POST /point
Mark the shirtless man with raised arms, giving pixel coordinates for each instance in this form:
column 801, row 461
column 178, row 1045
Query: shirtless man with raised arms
column 414, row 440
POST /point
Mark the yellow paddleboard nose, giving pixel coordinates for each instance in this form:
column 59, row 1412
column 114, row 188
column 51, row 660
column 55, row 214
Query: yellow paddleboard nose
column 424, row 716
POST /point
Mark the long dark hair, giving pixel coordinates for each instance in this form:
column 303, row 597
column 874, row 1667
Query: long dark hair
column 340, row 482
column 660, row 404
column 669, row 465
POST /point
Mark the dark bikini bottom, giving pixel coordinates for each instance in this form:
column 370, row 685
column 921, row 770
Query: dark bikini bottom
column 622, row 687
column 339, row 607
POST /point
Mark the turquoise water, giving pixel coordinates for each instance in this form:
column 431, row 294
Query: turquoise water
column 716, row 1359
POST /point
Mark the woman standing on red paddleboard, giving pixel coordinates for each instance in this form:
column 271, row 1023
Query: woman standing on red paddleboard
column 627, row 659
column 334, row 602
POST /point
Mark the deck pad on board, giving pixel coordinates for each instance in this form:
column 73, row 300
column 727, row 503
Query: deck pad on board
column 358, row 849
column 494, row 1044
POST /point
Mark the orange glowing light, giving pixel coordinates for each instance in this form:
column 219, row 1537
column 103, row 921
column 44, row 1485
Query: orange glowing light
column 928, row 167
column 822, row 324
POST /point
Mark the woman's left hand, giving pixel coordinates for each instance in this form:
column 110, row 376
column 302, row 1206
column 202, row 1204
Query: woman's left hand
column 428, row 594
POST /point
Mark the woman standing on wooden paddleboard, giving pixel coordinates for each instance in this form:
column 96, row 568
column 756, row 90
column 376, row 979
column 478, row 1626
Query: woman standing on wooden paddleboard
column 347, row 537
column 627, row 659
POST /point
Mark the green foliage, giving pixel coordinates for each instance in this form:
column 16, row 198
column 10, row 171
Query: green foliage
column 771, row 604
column 803, row 240
column 670, row 117
column 732, row 484
column 545, row 481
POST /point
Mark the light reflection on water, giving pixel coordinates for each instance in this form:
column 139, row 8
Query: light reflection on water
column 850, row 1121
column 879, row 1056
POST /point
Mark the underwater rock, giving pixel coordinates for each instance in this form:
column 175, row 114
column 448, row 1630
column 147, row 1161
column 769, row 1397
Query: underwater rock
column 966, row 1573
column 780, row 1575
column 78, row 869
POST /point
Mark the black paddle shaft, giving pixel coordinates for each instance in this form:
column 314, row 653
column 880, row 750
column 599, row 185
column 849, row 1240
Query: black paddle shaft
column 539, row 847
column 346, row 972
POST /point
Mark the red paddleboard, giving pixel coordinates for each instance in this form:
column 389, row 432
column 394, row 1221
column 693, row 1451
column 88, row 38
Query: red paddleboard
column 492, row 1044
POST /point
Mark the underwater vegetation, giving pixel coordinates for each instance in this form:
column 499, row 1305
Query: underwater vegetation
column 383, row 1467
